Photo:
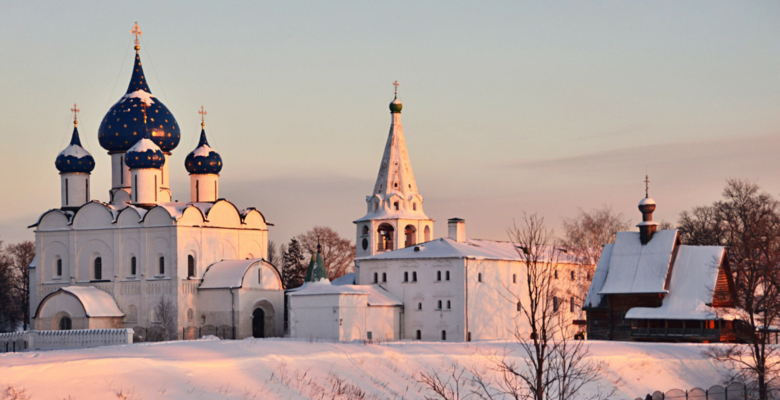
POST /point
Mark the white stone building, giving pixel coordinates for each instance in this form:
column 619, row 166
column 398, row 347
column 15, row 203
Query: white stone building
column 140, row 255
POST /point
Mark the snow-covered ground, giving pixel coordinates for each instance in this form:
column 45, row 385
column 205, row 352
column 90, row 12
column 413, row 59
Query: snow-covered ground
column 289, row 369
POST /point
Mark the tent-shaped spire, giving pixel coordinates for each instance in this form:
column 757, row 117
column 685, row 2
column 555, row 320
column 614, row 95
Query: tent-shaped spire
column 395, row 172
column 138, row 80
column 316, row 270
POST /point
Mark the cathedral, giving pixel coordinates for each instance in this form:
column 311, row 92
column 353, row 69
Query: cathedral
column 141, row 260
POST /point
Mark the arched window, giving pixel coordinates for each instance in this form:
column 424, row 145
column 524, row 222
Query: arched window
column 438, row 275
column 419, row 306
column 449, row 305
column 66, row 323
column 395, row 205
column 427, row 233
column 384, row 277
column 406, row 276
column 190, row 315
column 385, row 239
column 447, row 275
column 376, row 277
column 479, row 277
column 410, row 233
column 365, row 244
column 443, row 335
column 414, row 206
column 365, row 229
column 190, row 266
column 438, row 305
column 162, row 265
column 98, row 267
column 414, row 276
column 58, row 272
column 419, row 335
column 133, row 266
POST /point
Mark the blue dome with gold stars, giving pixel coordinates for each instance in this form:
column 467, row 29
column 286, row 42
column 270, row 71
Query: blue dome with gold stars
column 144, row 153
column 74, row 158
column 118, row 131
column 204, row 159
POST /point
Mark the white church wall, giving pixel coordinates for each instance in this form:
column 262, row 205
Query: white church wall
column 93, row 216
column 157, row 216
column 204, row 187
column 334, row 316
column 214, row 307
column 129, row 218
column 383, row 322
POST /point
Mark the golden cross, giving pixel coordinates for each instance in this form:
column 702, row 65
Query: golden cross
column 75, row 111
column 396, row 84
column 202, row 113
column 647, row 186
column 137, row 32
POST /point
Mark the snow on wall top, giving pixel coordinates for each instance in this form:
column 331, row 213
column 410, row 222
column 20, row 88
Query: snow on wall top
column 694, row 276
column 637, row 268
column 96, row 302
column 593, row 298
column 227, row 274
column 377, row 296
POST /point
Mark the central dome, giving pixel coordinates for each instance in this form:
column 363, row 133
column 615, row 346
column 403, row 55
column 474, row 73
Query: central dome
column 118, row 131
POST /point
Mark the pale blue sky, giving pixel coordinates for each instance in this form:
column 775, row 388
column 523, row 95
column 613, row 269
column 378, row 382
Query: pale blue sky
column 508, row 106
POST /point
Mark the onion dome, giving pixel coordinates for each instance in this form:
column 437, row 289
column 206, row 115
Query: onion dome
column 75, row 158
column 204, row 159
column 118, row 133
column 395, row 105
column 144, row 153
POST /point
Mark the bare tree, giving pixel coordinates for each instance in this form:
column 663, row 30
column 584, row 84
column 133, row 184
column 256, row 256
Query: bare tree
column 747, row 221
column 167, row 316
column 21, row 256
column 338, row 252
column 554, row 365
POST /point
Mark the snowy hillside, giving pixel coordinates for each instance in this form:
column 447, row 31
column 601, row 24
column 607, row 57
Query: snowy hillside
column 288, row 369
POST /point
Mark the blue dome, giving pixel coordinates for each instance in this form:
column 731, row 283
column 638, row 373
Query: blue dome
column 118, row 131
column 204, row 159
column 144, row 154
column 75, row 158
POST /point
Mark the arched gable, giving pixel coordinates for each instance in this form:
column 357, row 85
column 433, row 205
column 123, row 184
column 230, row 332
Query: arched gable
column 121, row 197
column 254, row 219
column 53, row 220
column 262, row 275
column 191, row 216
column 93, row 215
column 158, row 216
column 246, row 274
column 224, row 214
column 129, row 217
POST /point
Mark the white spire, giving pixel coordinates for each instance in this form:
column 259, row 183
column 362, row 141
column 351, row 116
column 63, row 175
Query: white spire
column 395, row 172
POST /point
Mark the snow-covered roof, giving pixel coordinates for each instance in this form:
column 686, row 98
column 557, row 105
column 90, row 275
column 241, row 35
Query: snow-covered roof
column 96, row 302
column 647, row 202
column 74, row 150
column 227, row 274
column 593, row 298
column 346, row 279
column 472, row 248
column 377, row 296
column 693, row 280
column 33, row 263
column 143, row 146
column 638, row 268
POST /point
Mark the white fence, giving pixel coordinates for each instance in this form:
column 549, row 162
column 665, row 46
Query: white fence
column 50, row 340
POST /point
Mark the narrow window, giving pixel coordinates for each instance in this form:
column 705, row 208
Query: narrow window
column 555, row 304
column 197, row 191
column 98, row 268
column 190, row 315
column 155, row 188
column 447, row 275
column 443, row 335
column 136, row 188
column 414, row 206
column 162, row 265
column 86, row 193
column 438, row 305
column 414, row 276
column 589, row 275
column 59, row 267
column 369, row 335
column 449, row 305
column 395, row 205
column 514, row 278
column 66, row 191
column 519, row 307
column 259, row 276
column 571, row 304
column 556, row 274
column 438, row 275
column 376, row 277
column 122, row 170
column 572, row 275
column 162, row 176
column 190, row 266
column 419, row 335
column 406, row 276
column 419, row 306
column 384, row 277
column 132, row 266
column 479, row 277
column 216, row 193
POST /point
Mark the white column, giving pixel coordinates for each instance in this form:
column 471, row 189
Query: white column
column 204, row 187
column 74, row 189
column 145, row 186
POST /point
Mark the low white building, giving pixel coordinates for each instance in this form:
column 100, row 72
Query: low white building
column 141, row 255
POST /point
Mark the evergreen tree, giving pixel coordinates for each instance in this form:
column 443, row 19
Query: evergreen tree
column 293, row 266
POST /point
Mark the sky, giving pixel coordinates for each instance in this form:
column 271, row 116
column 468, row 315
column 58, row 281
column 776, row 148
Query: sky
column 509, row 107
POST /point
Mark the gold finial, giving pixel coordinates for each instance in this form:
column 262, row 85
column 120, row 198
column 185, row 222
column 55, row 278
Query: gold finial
column 647, row 187
column 396, row 84
column 202, row 113
column 75, row 111
column 137, row 32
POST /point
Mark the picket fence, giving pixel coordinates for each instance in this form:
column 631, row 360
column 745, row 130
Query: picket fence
column 66, row 339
